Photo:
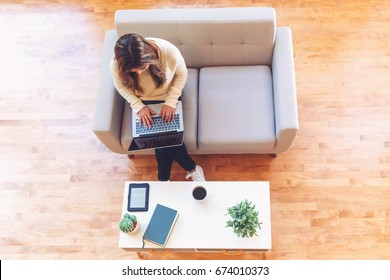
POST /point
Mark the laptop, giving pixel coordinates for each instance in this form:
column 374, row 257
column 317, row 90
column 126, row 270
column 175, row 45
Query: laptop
column 161, row 134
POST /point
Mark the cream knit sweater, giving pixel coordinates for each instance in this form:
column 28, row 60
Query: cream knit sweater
column 176, row 72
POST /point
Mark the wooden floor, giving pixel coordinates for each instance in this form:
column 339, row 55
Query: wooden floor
column 61, row 190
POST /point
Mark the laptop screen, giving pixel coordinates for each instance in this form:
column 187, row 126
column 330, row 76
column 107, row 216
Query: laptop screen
column 156, row 141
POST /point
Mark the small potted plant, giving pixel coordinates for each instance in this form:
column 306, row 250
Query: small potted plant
column 244, row 219
column 129, row 224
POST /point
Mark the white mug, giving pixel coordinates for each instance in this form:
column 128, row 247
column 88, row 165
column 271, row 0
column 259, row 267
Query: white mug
column 199, row 193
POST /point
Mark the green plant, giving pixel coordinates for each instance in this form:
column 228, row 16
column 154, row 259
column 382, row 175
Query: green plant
column 128, row 223
column 245, row 219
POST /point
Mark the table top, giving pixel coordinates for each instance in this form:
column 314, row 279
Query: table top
column 203, row 225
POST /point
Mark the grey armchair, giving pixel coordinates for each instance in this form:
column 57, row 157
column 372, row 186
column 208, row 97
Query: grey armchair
column 240, row 96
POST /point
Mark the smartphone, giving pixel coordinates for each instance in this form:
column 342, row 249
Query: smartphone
column 138, row 199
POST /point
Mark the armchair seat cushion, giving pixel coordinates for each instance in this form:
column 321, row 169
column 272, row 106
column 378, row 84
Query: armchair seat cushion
column 246, row 123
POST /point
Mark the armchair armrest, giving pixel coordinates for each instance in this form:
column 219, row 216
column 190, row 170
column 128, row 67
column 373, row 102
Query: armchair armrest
column 107, row 123
column 285, row 98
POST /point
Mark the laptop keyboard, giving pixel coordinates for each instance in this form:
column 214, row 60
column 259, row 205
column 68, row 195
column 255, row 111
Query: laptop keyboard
column 158, row 126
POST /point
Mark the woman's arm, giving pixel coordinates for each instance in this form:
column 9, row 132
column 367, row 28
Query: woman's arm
column 179, row 79
column 135, row 103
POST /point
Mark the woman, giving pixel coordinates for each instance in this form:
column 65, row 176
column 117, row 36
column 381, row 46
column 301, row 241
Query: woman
column 151, row 70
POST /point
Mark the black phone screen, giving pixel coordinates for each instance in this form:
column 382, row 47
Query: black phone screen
column 138, row 199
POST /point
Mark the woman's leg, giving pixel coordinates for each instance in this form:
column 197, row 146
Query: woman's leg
column 165, row 158
column 194, row 171
column 180, row 154
column 164, row 164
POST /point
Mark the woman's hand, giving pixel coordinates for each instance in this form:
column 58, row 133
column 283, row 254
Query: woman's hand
column 167, row 113
column 145, row 115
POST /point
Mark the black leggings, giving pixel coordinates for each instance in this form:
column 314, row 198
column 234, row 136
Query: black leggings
column 166, row 156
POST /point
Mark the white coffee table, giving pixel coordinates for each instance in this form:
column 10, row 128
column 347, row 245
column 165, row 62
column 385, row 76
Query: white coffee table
column 202, row 227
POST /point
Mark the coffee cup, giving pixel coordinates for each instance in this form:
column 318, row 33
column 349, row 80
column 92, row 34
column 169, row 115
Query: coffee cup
column 199, row 193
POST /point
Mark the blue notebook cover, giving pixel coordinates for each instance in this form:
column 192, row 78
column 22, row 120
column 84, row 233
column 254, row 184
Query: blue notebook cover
column 160, row 225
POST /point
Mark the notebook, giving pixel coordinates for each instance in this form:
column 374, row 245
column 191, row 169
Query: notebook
column 160, row 225
column 161, row 134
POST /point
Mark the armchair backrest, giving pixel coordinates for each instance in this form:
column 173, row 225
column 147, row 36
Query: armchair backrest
column 208, row 37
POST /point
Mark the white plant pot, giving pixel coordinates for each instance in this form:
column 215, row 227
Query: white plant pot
column 136, row 230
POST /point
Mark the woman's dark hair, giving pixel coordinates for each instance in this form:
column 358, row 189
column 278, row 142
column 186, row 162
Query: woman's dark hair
column 133, row 51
